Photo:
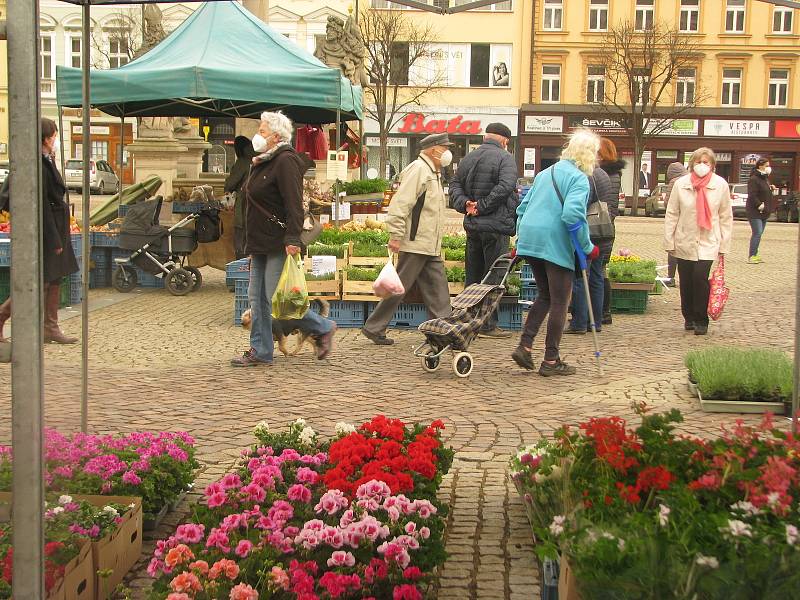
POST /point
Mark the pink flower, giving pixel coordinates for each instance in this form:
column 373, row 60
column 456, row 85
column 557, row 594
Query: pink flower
column 243, row 592
column 406, row 592
column 231, row 480
column 131, row 478
column 331, row 502
column 218, row 539
column 244, row 548
column 190, row 533
column 280, row 578
column 306, row 475
column 217, row 499
column 299, row 492
column 255, row 492
column 340, row 558
column 178, row 596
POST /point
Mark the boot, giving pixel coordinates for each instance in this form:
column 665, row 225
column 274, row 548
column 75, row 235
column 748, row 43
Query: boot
column 52, row 333
column 5, row 314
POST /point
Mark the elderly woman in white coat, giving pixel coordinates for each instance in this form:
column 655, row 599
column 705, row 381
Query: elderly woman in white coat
column 697, row 230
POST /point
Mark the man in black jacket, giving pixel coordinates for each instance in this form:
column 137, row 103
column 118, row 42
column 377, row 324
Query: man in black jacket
column 484, row 189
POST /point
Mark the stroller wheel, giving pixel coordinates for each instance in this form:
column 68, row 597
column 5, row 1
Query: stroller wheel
column 431, row 362
column 197, row 277
column 179, row 282
column 462, row 364
column 124, row 279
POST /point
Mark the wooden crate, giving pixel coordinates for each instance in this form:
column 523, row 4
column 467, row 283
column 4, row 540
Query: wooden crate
column 341, row 263
column 449, row 264
column 357, row 290
column 455, row 287
column 366, row 261
column 328, row 289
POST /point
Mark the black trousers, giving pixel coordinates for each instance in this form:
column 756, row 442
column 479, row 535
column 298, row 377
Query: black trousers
column 554, row 284
column 482, row 250
column 695, row 289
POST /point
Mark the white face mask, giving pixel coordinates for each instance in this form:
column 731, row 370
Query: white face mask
column 56, row 145
column 701, row 169
column 767, row 170
column 446, row 158
column 259, row 143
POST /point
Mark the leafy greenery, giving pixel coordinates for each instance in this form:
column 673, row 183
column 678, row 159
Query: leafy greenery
column 336, row 250
column 365, row 186
column 643, row 271
column 369, row 249
column 757, row 374
column 454, row 241
column 455, row 253
column 456, row 274
column 333, row 236
column 513, row 285
column 362, row 273
column 322, row 277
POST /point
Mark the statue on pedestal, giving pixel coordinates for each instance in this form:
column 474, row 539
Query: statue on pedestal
column 343, row 48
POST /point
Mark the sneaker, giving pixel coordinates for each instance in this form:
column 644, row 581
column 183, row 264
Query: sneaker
column 379, row 339
column 700, row 329
column 572, row 331
column 249, row 359
column 324, row 343
column 754, row 260
column 523, row 358
column 688, row 325
column 557, row 368
column 607, row 320
column 495, row 333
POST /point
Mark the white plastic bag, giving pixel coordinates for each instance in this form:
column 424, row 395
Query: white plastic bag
column 388, row 283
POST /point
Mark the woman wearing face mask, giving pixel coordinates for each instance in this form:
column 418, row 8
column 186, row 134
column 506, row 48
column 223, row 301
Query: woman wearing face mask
column 273, row 194
column 759, row 205
column 697, row 229
column 58, row 257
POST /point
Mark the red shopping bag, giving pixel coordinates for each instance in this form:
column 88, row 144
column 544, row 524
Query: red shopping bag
column 719, row 293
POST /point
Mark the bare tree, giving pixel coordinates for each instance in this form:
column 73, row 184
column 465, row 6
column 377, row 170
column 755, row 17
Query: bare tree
column 118, row 41
column 401, row 68
column 642, row 69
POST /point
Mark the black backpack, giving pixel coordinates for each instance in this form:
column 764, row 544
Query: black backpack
column 208, row 226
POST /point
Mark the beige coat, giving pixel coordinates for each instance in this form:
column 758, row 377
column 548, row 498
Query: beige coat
column 682, row 236
column 419, row 177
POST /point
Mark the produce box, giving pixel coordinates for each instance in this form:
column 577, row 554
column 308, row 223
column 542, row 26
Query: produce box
column 567, row 585
column 365, row 261
column 324, row 288
column 509, row 315
column 106, row 239
column 347, row 314
column 236, row 269
column 240, row 301
column 75, row 289
column 629, row 297
column 528, row 291
column 79, row 574
column 455, row 287
column 357, row 290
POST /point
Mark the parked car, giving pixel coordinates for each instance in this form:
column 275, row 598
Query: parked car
column 656, row 203
column 786, row 208
column 102, row 178
column 739, row 200
column 3, row 170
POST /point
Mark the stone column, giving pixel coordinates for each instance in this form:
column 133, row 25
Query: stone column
column 157, row 156
column 190, row 162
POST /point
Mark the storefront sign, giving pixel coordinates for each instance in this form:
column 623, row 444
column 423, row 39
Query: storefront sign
column 391, row 142
column 416, row 123
column 544, row 124
column 95, row 130
column 529, row 163
column 787, row 129
column 736, row 128
column 597, row 124
column 674, row 127
column 723, row 156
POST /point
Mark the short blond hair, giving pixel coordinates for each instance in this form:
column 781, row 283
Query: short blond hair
column 582, row 148
column 700, row 153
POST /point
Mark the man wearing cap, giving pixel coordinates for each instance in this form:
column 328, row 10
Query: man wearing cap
column 415, row 223
column 485, row 190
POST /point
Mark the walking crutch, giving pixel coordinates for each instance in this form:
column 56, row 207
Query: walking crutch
column 573, row 234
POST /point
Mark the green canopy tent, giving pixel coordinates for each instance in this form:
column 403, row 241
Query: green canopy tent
column 221, row 61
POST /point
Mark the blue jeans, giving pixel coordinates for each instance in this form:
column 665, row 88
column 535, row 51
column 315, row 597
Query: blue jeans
column 757, row 226
column 265, row 270
column 580, row 311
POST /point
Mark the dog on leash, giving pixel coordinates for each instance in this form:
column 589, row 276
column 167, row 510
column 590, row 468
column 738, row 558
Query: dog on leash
column 281, row 330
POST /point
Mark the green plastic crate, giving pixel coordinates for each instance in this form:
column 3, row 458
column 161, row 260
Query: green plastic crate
column 63, row 297
column 5, row 283
column 629, row 301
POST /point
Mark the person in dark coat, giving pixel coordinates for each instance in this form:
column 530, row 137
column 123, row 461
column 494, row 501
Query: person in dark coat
column 484, row 189
column 233, row 184
column 675, row 171
column 273, row 222
column 760, row 204
column 58, row 258
column 613, row 166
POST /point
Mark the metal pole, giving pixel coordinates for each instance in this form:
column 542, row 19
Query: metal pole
column 796, row 387
column 61, row 129
column 27, row 403
column 338, row 144
column 121, row 152
column 87, row 153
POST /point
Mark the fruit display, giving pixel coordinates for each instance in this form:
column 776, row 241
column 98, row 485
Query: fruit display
column 368, row 225
column 5, row 223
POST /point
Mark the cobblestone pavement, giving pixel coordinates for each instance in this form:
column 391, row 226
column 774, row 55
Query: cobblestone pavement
column 160, row 362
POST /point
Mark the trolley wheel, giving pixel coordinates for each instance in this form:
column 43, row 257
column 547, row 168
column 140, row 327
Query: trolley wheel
column 179, row 282
column 197, row 277
column 462, row 364
column 124, row 279
column 431, row 362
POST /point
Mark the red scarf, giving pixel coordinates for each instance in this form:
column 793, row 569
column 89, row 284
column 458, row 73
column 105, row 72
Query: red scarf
column 703, row 211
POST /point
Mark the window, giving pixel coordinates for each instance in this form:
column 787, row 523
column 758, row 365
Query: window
column 684, row 89
column 454, row 65
column 553, row 13
column 99, row 150
column 778, row 88
column 496, row 7
column 781, row 20
column 731, row 87
column 551, row 83
column 117, row 51
column 74, row 50
column 644, row 14
column 641, row 86
column 46, row 56
column 595, row 84
column 690, row 16
column 734, row 16
column 598, row 15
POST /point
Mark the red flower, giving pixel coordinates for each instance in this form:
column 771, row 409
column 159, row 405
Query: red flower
column 657, row 478
column 628, row 493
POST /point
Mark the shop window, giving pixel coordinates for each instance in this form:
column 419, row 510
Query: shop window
column 553, row 15
column 595, row 84
column 778, row 88
column 641, row 86
column 782, row 20
column 734, row 16
column 551, row 83
column 731, row 87
column 645, row 14
column 690, row 16
column 598, row 15
column 685, row 86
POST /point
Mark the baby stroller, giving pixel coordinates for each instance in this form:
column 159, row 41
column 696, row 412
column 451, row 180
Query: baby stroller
column 471, row 308
column 161, row 250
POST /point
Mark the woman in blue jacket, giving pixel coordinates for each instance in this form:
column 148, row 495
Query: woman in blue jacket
column 554, row 206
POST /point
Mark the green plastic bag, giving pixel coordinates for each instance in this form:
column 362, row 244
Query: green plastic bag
column 290, row 300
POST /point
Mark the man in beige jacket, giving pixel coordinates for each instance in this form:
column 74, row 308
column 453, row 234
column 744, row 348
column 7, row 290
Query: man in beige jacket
column 415, row 222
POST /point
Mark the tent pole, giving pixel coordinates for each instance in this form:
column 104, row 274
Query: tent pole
column 61, row 132
column 121, row 152
column 27, row 386
column 87, row 147
column 796, row 387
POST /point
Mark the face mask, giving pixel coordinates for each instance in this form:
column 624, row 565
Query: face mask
column 767, row 170
column 446, row 158
column 56, row 145
column 701, row 169
column 259, row 143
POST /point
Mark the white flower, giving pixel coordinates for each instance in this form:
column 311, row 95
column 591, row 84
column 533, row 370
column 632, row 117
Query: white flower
column 111, row 511
column 707, row 561
column 58, row 510
column 262, row 428
column 301, row 422
column 64, row 499
column 772, row 499
column 557, row 526
column 307, row 435
column 663, row 515
column 748, row 508
column 792, row 535
column 739, row 528
column 132, row 505
column 343, row 428
column 621, row 544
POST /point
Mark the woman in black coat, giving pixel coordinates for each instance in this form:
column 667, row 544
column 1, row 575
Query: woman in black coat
column 612, row 165
column 58, row 258
column 759, row 205
column 243, row 148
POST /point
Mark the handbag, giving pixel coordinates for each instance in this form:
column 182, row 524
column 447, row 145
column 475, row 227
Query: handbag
column 601, row 227
column 718, row 295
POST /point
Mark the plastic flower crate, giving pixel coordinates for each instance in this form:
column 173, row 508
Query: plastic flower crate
column 105, row 239
column 236, row 269
column 509, row 316
column 628, row 301
column 75, row 288
column 77, row 244
column 528, row 291
column 409, row 316
column 241, row 301
column 526, row 274
column 347, row 314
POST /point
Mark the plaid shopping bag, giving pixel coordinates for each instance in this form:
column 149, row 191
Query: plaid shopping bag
column 719, row 293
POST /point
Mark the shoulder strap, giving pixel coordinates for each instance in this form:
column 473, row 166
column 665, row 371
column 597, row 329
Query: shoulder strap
column 252, row 202
column 555, row 185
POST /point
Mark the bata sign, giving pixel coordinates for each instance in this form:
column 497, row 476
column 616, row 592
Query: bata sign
column 416, row 123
